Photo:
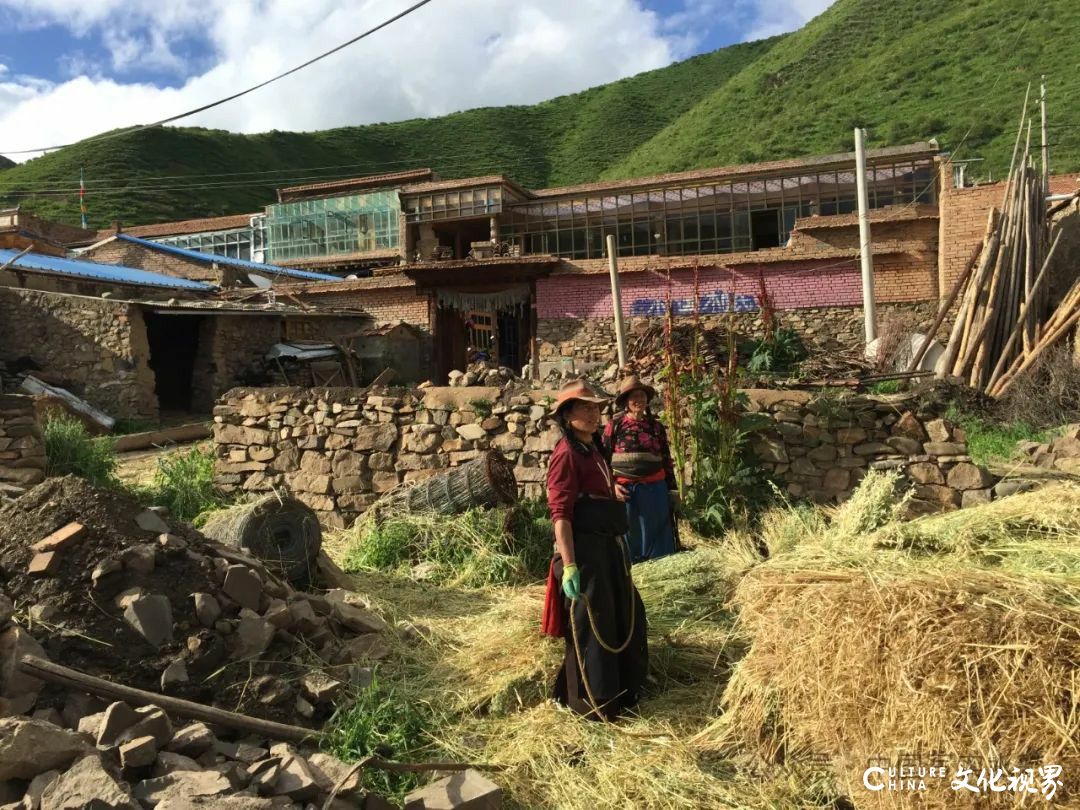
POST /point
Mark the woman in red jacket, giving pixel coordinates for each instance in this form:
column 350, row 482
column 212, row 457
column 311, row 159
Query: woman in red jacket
column 602, row 617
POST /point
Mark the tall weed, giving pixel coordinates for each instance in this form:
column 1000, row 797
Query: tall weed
column 71, row 450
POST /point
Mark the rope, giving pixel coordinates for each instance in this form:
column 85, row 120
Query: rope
column 596, row 633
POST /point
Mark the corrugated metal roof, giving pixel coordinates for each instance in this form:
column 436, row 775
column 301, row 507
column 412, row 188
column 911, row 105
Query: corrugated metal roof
column 257, row 267
column 115, row 273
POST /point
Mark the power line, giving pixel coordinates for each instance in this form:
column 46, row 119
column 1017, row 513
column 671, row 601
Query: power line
column 232, row 97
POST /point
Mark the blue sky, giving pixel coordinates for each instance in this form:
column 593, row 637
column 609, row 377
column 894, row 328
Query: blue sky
column 72, row 68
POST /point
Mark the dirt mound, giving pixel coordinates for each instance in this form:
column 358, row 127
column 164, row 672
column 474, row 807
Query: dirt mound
column 119, row 602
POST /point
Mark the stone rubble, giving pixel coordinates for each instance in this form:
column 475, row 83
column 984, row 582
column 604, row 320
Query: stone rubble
column 80, row 751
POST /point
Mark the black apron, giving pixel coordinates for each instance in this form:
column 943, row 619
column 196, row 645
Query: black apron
column 612, row 681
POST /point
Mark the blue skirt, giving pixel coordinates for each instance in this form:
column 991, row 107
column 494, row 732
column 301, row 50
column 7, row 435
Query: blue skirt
column 648, row 511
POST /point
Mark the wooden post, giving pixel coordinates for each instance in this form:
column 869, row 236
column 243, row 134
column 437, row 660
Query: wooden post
column 865, row 248
column 81, row 682
column 616, row 299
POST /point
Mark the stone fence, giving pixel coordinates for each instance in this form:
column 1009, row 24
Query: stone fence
column 822, row 447
column 339, row 449
column 22, row 446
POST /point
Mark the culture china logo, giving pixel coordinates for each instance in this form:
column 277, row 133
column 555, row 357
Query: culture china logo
column 1044, row 780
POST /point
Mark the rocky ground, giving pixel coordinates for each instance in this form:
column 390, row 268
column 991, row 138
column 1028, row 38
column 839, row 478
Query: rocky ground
column 92, row 581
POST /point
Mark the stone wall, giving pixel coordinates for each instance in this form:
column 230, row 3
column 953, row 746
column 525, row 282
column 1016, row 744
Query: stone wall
column 98, row 347
column 22, row 447
column 592, row 340
column 339, row 449
column 821, row 448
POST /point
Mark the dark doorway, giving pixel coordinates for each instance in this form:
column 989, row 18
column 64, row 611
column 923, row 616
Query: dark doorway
column 509, row 333
column 174, row 343
column 501, row 337
column 765, row 229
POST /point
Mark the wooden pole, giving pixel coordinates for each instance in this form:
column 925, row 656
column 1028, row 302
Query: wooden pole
column 616, row 299
column 945, row 307
column 865, row 247
column 1022, row 320
column 1045, row 141
column 79, row 681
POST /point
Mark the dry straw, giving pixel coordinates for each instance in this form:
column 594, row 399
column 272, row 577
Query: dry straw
column 857, row 635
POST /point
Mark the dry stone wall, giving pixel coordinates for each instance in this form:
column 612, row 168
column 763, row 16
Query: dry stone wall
column 22, row 446
column 339, row 449
column 822, row 447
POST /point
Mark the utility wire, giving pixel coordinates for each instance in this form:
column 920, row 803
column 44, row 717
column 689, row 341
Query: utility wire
column 234, row 96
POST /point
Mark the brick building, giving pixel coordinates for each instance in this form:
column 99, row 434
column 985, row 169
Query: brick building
column 489, row 269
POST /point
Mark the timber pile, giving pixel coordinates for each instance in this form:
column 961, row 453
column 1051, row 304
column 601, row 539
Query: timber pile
column 1005, row 321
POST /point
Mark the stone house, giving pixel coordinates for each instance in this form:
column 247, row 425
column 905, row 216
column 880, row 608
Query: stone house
column 135, row 343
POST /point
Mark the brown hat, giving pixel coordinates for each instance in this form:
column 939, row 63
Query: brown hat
column 630, row 385
column 574, row 390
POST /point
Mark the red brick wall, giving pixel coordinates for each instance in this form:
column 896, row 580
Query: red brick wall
column 794, row 285
column 964, row 212
column 154, row 261
column 384, row 305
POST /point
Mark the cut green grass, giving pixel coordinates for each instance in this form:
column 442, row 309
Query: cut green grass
column 478, row 548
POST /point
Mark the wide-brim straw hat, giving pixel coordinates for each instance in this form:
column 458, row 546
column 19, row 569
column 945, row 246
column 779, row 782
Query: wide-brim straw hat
column 577, row 390
column 630, row 385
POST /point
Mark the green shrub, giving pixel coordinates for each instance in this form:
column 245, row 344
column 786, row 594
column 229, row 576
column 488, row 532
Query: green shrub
column 481, row 407
column 184, row 482
column 384, row 723
column 71, row 450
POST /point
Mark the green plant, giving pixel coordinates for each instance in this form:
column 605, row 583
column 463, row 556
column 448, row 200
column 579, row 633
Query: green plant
column 184, row 482
column 381, row 722
column 778, row 353
column 887, row 387
column 481, row 407
column 989, row 441
column 71, row 450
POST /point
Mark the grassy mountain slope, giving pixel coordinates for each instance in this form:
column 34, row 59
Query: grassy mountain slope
column 161, row 174
column 905, row 69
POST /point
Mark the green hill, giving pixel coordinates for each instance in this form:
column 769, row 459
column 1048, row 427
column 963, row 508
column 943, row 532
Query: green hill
column 905, row 69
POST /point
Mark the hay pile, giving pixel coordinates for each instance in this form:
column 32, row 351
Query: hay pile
column 774, row 676
column 957, row 634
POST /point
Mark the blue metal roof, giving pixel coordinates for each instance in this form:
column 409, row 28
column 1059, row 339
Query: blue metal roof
column 257, row 267
column 115, row 273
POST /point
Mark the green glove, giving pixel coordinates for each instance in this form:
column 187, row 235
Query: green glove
column 571, row 582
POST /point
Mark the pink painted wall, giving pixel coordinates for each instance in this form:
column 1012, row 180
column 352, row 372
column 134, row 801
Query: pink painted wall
column 791, row 286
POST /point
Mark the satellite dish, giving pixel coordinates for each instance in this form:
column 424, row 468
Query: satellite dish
column 262, row 282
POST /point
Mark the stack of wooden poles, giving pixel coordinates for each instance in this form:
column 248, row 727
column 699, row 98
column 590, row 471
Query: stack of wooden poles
column 1003, row 324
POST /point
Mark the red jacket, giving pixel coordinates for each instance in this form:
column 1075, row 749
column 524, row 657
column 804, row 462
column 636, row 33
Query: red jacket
column 572, row 474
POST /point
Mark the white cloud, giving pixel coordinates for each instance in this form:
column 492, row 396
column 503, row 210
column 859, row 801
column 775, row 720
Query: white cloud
column 447, row 56
column 772, row 17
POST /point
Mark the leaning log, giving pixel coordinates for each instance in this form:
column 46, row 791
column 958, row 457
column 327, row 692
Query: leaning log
column 81, row 682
